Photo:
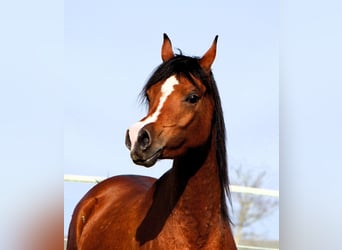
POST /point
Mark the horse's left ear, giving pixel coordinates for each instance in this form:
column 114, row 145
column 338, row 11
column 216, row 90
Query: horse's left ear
column 166, row 51
column 208, row 58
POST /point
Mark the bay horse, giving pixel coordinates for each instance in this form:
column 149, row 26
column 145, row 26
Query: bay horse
column 186, row 207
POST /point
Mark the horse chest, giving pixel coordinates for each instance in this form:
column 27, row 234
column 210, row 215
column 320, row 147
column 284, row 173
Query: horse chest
column 181, row 232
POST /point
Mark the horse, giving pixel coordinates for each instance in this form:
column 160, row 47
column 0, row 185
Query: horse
column 186, row 208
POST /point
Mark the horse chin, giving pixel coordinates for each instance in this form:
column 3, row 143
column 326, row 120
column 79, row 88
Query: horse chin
column 147, row 161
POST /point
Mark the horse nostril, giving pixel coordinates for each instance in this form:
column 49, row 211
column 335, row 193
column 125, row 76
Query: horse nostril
column 128, row 140
column 144, row 139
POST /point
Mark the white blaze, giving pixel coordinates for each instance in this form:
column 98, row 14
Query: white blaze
column 166, row 89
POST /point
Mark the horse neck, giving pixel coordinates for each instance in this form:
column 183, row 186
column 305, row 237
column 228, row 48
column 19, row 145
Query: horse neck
column 189, row 193
column 192, row 186
column 197, row 180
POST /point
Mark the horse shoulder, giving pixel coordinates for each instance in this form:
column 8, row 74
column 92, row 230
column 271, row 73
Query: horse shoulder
column 109, row 197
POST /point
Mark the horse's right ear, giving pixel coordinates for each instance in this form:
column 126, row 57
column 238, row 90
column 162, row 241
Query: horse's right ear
column 166, row 51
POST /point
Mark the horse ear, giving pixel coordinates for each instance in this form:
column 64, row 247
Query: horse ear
column 166, row 51
column 208, row 58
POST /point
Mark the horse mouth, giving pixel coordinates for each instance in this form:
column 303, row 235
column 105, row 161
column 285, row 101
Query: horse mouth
column 149, row 161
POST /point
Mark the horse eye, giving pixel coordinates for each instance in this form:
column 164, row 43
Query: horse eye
column 193, row 98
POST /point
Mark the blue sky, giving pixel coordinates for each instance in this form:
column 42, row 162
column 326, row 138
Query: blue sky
column 110, row 49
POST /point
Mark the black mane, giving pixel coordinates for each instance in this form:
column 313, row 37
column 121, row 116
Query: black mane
column 189, row 67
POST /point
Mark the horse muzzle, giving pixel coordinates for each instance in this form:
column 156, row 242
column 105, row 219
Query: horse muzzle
column 142, row 151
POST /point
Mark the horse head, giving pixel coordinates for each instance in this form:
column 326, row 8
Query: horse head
column 180, row 108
